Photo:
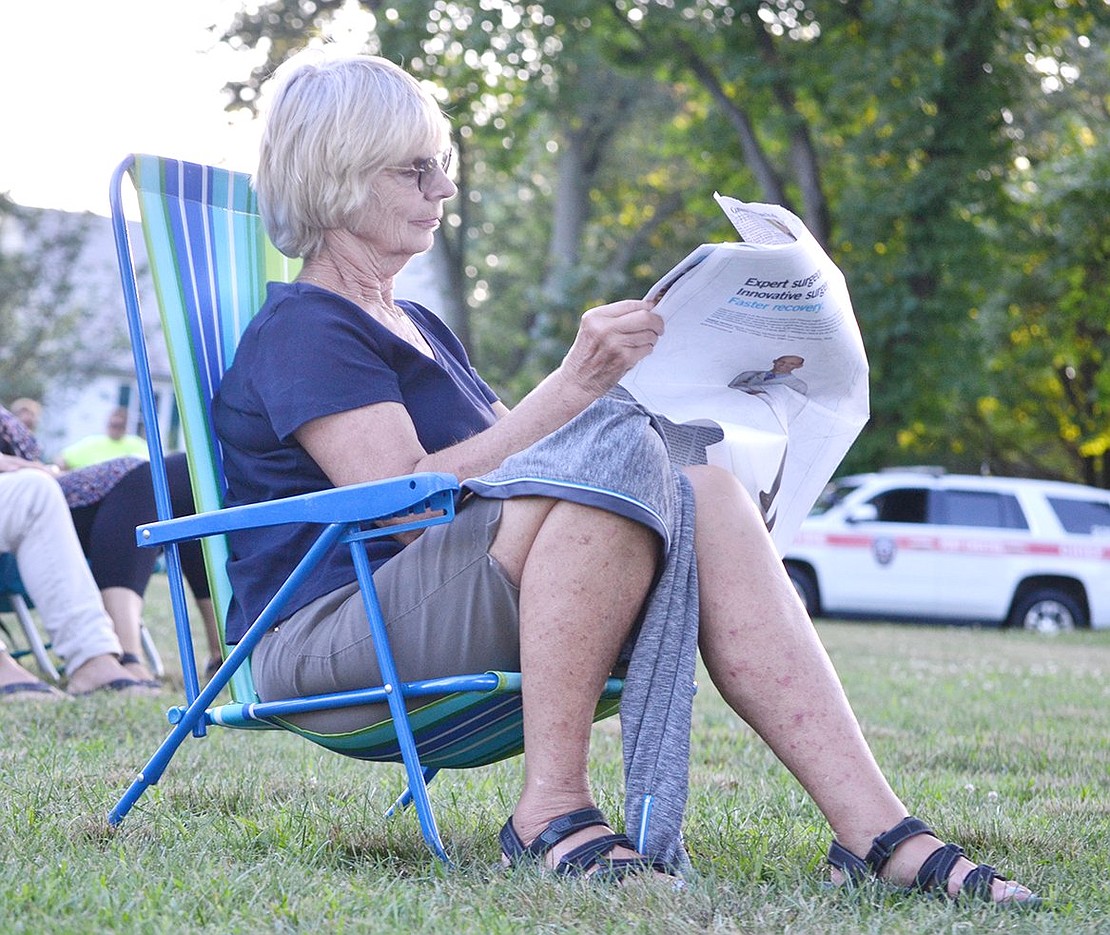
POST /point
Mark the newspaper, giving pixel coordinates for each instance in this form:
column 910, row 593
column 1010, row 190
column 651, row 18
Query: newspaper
column 761, row 368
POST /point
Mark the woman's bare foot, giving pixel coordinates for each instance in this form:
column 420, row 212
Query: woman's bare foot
column 16, row 683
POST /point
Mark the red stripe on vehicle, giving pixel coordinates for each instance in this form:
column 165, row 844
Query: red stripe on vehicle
column 926, row 543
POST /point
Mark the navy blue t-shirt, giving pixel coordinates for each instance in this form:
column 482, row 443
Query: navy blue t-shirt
column 310, row 353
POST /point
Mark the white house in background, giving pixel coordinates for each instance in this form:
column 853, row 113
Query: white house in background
column 72, row 412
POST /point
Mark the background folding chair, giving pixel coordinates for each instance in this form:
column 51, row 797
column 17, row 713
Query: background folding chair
column 15, row 599
column 210, row 261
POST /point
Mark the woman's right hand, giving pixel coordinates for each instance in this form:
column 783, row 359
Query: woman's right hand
column 611, row 339
column 9, row 463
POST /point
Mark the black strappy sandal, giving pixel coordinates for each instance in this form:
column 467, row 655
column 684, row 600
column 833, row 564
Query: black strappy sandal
column 935, row 871
column 130, row 659
column 584, row 858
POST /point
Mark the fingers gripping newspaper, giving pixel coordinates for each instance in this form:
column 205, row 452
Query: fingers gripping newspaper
column 761, row 368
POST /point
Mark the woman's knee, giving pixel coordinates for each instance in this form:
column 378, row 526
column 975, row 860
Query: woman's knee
column 601, row 541
column 592, row 522
column 715, row 489
column 524, row 518
column 708, row 479
column 37, row 492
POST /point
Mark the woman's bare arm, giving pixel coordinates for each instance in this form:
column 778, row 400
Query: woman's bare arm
column 348, row 446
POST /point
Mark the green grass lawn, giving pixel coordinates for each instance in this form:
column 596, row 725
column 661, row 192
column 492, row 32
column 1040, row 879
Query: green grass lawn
column 1000, row 740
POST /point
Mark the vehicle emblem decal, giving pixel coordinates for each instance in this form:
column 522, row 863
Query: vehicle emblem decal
column 883, row 549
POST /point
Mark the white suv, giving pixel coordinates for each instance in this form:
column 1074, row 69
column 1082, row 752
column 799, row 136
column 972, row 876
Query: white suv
column 925, row 545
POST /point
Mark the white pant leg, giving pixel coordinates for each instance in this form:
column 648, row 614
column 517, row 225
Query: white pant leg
column 35, row 525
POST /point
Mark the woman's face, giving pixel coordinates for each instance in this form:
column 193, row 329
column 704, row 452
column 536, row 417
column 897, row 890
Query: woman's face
column 28, row 417
column 406, row 208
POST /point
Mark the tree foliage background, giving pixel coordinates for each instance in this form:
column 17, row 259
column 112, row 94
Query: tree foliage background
column 952, row 156
column 46, row 324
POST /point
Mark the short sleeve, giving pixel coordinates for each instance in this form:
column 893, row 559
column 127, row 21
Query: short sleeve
column 313, row 361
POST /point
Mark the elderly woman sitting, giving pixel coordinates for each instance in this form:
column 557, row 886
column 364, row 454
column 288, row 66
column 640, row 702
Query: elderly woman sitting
column 353, row 176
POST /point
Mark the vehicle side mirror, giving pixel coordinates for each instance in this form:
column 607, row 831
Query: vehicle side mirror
column 864, row 513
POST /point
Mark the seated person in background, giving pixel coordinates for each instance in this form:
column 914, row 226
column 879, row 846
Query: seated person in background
column 107, row 501
column 353, row 177
column 35, row 526
column 115, row 443
column 28, row 411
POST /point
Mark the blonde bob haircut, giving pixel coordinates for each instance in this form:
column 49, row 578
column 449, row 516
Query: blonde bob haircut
column 332, row 125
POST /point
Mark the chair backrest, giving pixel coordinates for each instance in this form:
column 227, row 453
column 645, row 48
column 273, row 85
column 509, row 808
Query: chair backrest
column 210, row 260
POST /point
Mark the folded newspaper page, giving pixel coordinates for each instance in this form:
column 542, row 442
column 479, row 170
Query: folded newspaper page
column 761, row 369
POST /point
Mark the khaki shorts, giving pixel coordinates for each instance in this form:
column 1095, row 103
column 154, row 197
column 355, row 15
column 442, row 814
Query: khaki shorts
column 448, row 607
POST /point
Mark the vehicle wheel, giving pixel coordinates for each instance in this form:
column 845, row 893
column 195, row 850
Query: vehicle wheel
column 1047, row 611
column 806, row 586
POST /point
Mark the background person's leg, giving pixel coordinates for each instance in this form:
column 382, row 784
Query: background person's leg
column 122, row 569
column 35, row 525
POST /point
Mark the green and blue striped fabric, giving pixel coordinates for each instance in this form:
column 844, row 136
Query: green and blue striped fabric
column 210, row 260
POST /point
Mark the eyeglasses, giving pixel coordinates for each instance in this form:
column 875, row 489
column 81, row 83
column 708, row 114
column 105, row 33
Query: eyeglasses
column 419, row 169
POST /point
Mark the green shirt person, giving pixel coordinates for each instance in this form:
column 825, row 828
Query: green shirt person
column 115, row 443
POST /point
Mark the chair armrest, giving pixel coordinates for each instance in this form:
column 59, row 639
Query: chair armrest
column 375, row 500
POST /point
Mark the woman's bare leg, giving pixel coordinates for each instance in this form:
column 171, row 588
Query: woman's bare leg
column 211, row 631
column 764, row 656
column 125, row 607
column 583, row 576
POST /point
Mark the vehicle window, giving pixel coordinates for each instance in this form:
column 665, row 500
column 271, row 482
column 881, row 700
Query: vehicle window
column 978, row 508
column 901, row 505
column 1086, row 517
column 833, row 494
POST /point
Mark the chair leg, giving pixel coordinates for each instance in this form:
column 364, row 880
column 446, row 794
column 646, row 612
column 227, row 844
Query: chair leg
column 418, row 791
column 152, row 772
column 404, row 800
column 418, row 786
column 150, row 650
column 34, row 640
column 195, row 714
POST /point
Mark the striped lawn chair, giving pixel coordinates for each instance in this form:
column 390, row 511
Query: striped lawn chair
column 210, row 260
